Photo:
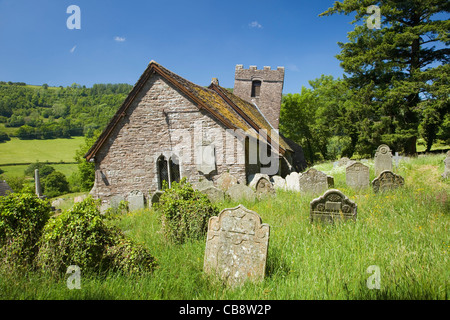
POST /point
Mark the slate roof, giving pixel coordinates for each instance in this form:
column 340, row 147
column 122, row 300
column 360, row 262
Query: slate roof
column 232, row 111
column 4, row 188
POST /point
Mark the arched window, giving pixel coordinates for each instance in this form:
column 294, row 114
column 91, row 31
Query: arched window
column 256, row 88
column 168, row 170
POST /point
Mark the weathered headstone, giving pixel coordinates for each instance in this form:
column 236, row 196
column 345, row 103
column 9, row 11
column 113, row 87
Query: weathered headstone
column 383, row 159
column 203, row 184
column 136, row 200
column 313, row 181
column 357, row 175
column 278, row 182
column 387, row 180
column 225, row 181
column 114, row 202
column 343, row 161
column 293, row 181
column 236, row 246
column 330, row 180
column 239, row 192
column 214, row 194
column 262, row 185
column 155, row 196
column 333, row 205
column 446, row 173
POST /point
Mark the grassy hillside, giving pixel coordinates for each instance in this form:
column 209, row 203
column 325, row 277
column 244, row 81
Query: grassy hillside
column 403, row 232
column 29, row 151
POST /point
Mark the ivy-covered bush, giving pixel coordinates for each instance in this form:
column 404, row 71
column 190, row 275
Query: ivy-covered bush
column 185, row 212
column 22, row 220
column 82, row 236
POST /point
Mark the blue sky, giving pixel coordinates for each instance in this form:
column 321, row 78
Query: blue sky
column 198, row 40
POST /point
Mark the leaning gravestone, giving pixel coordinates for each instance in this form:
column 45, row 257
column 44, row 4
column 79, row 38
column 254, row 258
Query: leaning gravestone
column 383, row 159
column 236, row 246
column 333, row 205
column 239, row 192
column 214, row 194
column 293, row 181
column 446, row 173
column 136, row 200
column 357, row 175
column 387, row 180
column 313, row 181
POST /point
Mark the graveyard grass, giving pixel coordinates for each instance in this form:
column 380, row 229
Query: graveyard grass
column 403, row 232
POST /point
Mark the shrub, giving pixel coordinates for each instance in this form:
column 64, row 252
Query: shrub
column 185, row 212
column 44, row 169
column 82, row 237
column 55, row 184
column 22, row 220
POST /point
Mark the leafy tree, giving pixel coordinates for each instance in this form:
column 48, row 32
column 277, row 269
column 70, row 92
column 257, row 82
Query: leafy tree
column 399, row 72
column 55, row 184
column 86, row 170
column 44, row 169
column 4, row 137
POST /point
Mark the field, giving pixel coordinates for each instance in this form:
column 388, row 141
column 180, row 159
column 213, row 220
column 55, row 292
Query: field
column 403, row 232
column 29, row 151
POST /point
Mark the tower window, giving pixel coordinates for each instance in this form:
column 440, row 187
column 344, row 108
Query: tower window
column 256, row 88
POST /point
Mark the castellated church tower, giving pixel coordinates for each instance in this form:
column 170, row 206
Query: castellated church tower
column 263, row 88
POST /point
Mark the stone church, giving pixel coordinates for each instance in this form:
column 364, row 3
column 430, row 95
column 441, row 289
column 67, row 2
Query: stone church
column 169, row 128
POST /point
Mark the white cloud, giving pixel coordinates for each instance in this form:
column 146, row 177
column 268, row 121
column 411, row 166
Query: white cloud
column 73, row 49
column 255, row 24
column 119, row 39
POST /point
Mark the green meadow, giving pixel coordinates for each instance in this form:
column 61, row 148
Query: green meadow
column 403, row 232
column 29, row 151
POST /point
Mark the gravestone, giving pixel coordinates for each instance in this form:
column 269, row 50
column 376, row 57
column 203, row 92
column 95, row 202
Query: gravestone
column 225, row 181
column 387, row 180
column 446, row 173
column 343, row 161
column 203, row 184
column 332, row 206
column 293, row 181
column 357, row 175
column 262, row 185
column 383, row 159
column 236, row 246
column 313, row 181
column 278, row 182
column 155, row 196
column 214, row 194
column 330, row 180
column 239, row 192
column 397, row 159
column 114, row 202
column 136, row 200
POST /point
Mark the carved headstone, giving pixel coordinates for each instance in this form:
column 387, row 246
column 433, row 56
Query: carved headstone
column 225, row 181
column 293, row 181
column 333, row 205
column 387, row 180
column 446, row 173
column 236, row 246
column 262, row 185
column 313, row 181
column 383, row 159
column 136, row 200
column 239, row 192
column 357, row 175
column 214, row 194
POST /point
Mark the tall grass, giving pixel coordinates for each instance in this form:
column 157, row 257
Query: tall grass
column 403, row 232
